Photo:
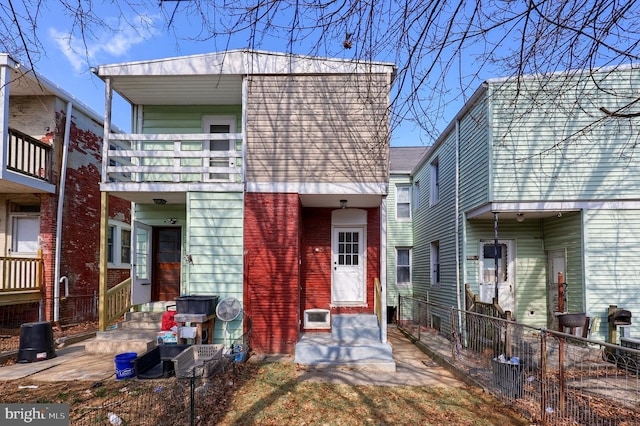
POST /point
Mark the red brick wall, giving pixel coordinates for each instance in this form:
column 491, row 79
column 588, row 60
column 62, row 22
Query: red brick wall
column 271, row 239
column 316, row 260
column 79, row 256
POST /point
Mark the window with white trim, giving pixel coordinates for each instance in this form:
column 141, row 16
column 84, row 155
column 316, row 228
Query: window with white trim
column 403, row 267
column 403, row 202
column 435, row 263
column 435, row 182
column 119, row 245
column 25, row 232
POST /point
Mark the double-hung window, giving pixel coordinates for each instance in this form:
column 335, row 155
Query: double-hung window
column 435, row 182
column 403, row 267
column 403, row 202
column 119, row 245
column 435, row 263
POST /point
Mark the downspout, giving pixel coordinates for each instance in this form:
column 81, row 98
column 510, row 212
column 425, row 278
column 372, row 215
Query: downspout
column 61, row 185
column 383, row 269
column 457, row 225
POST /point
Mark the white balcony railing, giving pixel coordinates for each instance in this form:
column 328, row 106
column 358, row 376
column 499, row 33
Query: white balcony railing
column 174, row 158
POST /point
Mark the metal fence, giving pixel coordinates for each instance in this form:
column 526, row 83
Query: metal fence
column 76, row 315
column 552, row 378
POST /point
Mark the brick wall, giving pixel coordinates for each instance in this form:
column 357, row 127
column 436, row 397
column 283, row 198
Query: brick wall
column 316, row 260
column 79, row 255
column 271, row 238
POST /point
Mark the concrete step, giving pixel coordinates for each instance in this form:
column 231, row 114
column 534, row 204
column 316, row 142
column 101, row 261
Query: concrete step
column 354, row 320
column 353, row 328
column 320, row 350
column 109, row 346
column 126, row 334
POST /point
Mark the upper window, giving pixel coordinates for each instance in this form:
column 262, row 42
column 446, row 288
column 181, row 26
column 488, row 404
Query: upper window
column 403, row 202
column 435, row 181
column 403, row 267
column 435, row 263
column 119, row 245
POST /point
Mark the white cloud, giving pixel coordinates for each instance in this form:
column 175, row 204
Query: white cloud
column 83, row 54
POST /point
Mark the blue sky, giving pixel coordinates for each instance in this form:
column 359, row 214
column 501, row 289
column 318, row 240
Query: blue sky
column 143, row 36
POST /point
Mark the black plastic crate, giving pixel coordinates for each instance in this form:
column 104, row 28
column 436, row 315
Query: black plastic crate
column 196, row 304
column 157, row 362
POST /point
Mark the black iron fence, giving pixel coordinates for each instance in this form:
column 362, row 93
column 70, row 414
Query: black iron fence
column 552, row 378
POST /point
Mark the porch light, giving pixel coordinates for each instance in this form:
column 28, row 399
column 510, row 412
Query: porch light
column 160, row 201
column 343, row 204
column 520, row 217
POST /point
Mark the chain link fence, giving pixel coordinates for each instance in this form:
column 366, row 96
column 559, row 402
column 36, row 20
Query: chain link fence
column 552, row 378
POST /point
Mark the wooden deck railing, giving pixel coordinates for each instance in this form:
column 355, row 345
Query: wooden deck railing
column 117, row 302
column 21, row 274
column 28, row 156
column 378, row 301
column 493, row 309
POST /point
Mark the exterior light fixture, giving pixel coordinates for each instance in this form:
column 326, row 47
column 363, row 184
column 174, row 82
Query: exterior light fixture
column 343, row 204
column 160, row 201
column 520, row 217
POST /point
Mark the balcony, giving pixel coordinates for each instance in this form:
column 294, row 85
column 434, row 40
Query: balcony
column 148, row 164
column 27, row 165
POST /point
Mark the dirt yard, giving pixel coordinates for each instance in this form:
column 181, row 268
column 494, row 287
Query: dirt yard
column 263, row 394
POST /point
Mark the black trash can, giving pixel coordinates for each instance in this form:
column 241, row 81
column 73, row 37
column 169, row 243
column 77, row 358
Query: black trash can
column 508, row 378
column 36, row 342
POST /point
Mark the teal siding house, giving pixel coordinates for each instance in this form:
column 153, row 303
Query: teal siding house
column 539, row 177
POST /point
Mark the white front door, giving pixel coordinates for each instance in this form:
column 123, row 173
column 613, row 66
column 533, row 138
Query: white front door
column 348, row 278
column 503, row 254
column 219, row 148
column 141, row 267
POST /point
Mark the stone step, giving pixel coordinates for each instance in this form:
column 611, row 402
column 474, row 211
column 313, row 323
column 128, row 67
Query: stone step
column 321, row 350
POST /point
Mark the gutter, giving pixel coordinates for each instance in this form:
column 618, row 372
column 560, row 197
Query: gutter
column 61, row 185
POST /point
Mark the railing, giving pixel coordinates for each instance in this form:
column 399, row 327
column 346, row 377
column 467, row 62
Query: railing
column 492, row 309
column 551, row 378
column 378, row 301
column 174, row 158
column 116, row 303
column 28, row 156
column 21, row 274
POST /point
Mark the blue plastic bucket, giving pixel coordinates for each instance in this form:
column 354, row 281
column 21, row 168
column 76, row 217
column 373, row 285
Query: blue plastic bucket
column 125, row 368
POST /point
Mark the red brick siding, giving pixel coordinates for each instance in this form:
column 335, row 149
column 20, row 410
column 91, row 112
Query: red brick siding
column 79, row 255
column 316, row 260
column 271, row 239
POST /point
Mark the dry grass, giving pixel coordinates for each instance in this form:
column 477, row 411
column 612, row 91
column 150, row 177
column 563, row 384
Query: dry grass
column 266, row 394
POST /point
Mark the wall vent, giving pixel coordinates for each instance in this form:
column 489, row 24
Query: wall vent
column 317, row 319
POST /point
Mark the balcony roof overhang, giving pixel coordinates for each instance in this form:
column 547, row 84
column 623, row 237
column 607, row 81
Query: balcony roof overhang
column 199, row 79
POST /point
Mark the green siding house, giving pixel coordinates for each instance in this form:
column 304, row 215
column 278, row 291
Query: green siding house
column 400, row 204
column 539, row 176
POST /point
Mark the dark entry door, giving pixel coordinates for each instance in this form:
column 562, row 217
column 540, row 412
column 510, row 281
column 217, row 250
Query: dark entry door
column 166, row 266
